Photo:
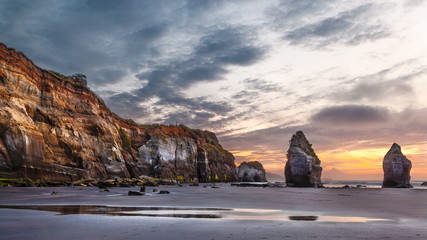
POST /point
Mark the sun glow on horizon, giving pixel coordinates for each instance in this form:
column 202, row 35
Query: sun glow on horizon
column 361, row 163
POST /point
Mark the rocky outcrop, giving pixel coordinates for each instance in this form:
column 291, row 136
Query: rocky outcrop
column 53, row 127
column 251, row 172
column 169, row 157
column 303, row 166
column 396, row 168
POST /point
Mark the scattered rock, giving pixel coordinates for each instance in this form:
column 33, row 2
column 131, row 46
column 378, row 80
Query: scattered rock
column 205, row 186
column 134, row 193
column 54, row 193
column 142, row 189
column 251, row 172
column 155, row 190
column 249, row 184
column 303, row 166
column 396, row 168
column 164, row 192
column 424, row 184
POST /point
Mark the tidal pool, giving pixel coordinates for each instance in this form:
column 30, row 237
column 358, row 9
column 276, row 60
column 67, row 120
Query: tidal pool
column 174, row 212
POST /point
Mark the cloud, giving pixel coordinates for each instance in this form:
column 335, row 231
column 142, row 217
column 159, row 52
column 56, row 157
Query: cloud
column 207, row 63
column 351, row 114
column 386, row 84
column 349, row 28
column 261, row 85
column 294, row 12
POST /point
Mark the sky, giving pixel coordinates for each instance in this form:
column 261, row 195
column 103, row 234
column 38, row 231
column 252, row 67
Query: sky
column 351, row 74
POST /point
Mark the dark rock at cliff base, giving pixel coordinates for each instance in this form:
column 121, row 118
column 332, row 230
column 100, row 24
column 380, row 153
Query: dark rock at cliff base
column 251, row 172
column 303, row 166
column 424, row 184
column 396, row 168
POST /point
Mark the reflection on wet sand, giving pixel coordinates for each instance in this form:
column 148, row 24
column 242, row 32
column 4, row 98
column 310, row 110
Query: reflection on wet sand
column 173, row 212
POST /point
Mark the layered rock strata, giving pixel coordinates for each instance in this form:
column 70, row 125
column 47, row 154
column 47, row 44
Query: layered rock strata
column 251, row 172
column 303, row 166
column 396, row 168
column 53, row 127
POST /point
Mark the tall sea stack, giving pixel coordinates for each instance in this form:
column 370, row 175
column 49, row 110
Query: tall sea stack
column 303, row 166
column 396, row 168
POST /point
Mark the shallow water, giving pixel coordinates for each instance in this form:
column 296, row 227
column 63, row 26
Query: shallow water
column 207, row 213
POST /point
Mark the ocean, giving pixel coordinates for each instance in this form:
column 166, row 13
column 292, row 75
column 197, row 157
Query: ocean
column 368, row 184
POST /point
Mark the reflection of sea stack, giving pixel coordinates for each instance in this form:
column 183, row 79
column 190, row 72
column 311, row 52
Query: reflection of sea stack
column 303, row 166
column 396, row 169
column 251, row 172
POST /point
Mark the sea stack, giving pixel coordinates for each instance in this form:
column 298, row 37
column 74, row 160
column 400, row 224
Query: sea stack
column 251, row 172
column 396, row 168
column 303, row 166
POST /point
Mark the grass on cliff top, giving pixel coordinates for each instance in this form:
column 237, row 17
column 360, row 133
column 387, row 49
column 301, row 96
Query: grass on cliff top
column 65, row 78
column 254, row 164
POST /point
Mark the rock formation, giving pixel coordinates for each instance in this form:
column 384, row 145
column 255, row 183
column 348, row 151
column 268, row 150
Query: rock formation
column 53, row 127
column 251, row 172
column 396, row 168
column 303, row 166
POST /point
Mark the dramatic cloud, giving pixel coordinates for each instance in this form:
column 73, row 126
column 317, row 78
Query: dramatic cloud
column 380, row 85
column 349, row 27
column 351, row 114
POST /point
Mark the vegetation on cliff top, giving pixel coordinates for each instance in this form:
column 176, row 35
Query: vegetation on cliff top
column 254, row 164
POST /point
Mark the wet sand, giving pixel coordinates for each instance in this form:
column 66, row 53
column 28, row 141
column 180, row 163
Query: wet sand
column 213, row 213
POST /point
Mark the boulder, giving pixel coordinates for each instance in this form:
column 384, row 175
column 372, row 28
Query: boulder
column 251, row 172
column 303, row 166
column 396, row 168
column 134, row 193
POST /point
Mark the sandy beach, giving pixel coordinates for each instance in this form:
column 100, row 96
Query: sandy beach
column 213, row 213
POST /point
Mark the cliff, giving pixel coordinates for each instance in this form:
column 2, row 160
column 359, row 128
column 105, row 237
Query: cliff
column 54, row 127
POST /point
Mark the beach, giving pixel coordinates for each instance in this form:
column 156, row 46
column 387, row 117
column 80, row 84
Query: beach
column 223, row 212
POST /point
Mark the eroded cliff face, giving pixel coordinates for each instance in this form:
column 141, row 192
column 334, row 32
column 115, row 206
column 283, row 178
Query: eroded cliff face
column 54, row 127
column 303, row 166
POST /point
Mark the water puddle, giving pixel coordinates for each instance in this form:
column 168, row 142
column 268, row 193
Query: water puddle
column 211, row 213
